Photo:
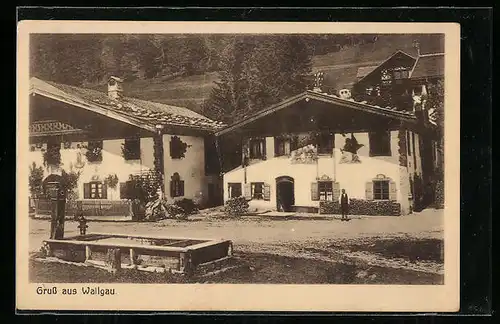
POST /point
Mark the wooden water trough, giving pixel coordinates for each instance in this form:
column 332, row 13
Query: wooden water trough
column 154, row 253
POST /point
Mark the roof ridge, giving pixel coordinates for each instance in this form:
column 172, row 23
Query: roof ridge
column 145, row 110
column 431, row 54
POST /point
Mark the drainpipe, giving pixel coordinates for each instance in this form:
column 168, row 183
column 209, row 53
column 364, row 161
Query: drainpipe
column 334, row 161
column 160, row 165
column 244, row 157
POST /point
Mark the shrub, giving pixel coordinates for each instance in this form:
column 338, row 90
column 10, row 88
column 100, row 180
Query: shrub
column 236, row 206
column 187, row 205
column 69, row 183
column 176, row 212
column 181, row 209
column 36, row 181
column 156, row 209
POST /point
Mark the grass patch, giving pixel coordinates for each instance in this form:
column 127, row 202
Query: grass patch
column 260, row 268
column 403, row 248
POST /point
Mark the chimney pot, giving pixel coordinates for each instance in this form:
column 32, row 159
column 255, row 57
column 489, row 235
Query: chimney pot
column 115, row 88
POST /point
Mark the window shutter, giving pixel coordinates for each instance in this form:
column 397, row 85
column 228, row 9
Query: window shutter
column 172, row 193
column 248, row 191
column 104, row 191
column 86, row 190
column 294, row 143
column 267, row 191
column 181, row 188
column 336, row 190
column 314, row 191
column 123, row 190
column 392, row 190
column 369, row 190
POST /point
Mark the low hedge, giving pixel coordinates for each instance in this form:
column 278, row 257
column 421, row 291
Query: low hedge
column 363, row 207
column 236, row 206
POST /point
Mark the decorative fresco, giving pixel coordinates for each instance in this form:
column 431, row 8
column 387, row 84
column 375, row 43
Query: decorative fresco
column 350, row 150
column 305, row 155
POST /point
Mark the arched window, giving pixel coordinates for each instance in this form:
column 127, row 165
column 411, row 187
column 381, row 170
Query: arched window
column 176, row 186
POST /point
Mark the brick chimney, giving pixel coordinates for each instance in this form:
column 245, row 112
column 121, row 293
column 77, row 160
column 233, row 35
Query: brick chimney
column 115, row 89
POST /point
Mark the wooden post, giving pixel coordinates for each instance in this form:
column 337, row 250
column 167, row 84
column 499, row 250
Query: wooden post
column 185, row 262
column 113, row 260
column 88, row 253
column 133, row 257
column 230, row 249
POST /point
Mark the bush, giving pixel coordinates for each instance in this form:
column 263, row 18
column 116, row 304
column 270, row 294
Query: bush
column 181, row 209
column 236, row 206
column 176, row 212
column 187, row 205
column 156, row 210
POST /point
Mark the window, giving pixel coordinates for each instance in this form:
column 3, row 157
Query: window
column 257, row 148
column 176, row 186
column 401, row 74
column 124, row 191
column 380, row 143
column 257, row 190
column 132, row 149
column 385, row 77
column 282, row 146
column 325, row 189
column 177, row 148
column 94, row 151
column 234, row 190
column 381, row 189
column 325, row 143
column 94, row 190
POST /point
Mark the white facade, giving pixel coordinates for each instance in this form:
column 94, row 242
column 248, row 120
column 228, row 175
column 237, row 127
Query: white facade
column 350, row 176
column 190, row 168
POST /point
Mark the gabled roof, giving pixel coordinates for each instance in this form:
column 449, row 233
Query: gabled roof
column 399, row 52
column 140, row 113
column 324, row 97
column 365, row 70
column 428, row 65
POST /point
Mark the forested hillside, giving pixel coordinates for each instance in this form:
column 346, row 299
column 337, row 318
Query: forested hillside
column 223, row 76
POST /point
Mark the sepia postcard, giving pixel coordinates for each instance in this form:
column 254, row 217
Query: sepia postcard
column 236, row 166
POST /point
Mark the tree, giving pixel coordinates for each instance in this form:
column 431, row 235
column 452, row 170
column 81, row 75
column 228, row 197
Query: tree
column 435, row 101
column 193, row 55
column 69, row 182
column 112, row 182
column 36, row 180
column 277, row 68
column 229, row 96
column 256, row 72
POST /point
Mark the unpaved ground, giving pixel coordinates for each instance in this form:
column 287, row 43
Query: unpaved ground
column 392, row 242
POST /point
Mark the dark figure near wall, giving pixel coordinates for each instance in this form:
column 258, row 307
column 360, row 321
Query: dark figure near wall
column 82, row 225
column 344, row 205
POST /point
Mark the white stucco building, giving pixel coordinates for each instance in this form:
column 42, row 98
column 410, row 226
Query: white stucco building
column 300, row 153
column 128, row 136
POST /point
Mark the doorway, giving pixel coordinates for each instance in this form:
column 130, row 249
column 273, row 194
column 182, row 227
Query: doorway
column 285, row 194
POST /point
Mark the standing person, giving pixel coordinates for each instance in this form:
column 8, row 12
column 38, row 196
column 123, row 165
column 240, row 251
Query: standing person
column 344, row 205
